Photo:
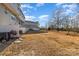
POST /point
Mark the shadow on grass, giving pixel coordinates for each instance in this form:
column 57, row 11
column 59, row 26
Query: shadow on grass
column 5, row 44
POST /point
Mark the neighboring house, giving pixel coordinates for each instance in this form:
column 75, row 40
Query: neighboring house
column 11, row 18
column 30, row 25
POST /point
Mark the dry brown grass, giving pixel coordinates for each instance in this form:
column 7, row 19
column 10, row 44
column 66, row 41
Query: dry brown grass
column 51, row 43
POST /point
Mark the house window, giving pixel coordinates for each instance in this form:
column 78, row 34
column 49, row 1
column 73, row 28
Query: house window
column 13, row 17
column 6, row 12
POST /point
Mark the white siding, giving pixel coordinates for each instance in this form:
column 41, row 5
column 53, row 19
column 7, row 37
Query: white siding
column 6, row 22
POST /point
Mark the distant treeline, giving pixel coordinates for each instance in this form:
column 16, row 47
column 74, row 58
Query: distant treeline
column 64, row 22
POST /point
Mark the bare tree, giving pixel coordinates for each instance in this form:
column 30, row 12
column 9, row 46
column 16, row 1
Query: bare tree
column 63, row 21
column 57, row 18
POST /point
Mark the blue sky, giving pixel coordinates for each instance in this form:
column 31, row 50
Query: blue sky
column 43, row 12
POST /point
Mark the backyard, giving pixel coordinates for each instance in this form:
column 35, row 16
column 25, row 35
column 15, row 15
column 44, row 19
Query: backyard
column 51, row 43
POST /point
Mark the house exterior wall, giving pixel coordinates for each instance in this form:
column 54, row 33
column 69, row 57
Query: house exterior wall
column 31, row 25
column 8, row 20
column 18, row 10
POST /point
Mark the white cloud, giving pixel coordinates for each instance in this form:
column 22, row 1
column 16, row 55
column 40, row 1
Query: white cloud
column 23, row 5
column 24, row 12
column 68, row 11
column 71, row 8
column 39, row 4
column 43, row 17
column 30, row 18
column 27, row 6
column 65, row 6
column 68, row 8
